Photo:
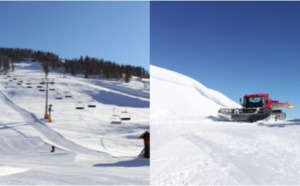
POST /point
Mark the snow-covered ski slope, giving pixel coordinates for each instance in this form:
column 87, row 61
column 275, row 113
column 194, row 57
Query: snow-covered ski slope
column 89, row 150
column 190, row 145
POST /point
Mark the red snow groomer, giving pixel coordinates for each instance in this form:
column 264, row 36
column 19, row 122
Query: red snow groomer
column 255, row 107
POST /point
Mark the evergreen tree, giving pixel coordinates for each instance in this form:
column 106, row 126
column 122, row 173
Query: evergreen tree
column 46, row 69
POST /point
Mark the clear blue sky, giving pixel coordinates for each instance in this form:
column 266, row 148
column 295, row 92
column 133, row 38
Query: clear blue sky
column 233, row 47
column 116, row 31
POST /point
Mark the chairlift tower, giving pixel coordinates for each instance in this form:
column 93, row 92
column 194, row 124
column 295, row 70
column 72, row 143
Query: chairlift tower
column 47, row 81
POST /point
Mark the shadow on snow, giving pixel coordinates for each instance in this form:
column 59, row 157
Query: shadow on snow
column 138, row 162
column 281, row 125
column 112, row 98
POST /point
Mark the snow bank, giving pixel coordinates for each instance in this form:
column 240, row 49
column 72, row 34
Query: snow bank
column 180, row 95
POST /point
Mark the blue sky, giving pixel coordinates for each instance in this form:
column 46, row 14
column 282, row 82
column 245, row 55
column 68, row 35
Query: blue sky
column 233, row 47
column 116, row 31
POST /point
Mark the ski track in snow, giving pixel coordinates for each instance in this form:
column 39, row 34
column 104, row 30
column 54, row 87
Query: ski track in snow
column 196, row 148
column 88, row 149
column 204, row 154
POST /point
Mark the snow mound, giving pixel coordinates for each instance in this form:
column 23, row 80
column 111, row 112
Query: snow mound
column 172, row 88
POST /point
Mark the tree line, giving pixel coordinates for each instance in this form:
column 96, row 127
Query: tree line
column 6, row 64
column 87, row 66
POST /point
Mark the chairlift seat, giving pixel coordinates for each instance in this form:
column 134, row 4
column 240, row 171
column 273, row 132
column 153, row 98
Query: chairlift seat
column 125, row 118
column 58, row 96
column 79, row 106
column 125, row 115
column 115, row 120
column 91, row 104
column 68, row 94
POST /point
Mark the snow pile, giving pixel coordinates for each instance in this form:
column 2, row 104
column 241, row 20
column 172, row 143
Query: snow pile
column 190, row 146
column 171, row 88
column 85, row 140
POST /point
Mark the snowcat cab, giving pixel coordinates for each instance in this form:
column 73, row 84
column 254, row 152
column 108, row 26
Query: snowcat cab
column 255, row 107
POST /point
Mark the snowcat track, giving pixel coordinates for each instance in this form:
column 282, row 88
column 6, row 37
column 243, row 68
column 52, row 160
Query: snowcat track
column 244, row 115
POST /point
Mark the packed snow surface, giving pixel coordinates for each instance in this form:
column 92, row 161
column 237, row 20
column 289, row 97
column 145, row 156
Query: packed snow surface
column 191, row 145
column 89, row 149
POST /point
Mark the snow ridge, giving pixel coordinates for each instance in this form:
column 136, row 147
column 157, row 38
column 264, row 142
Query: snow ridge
column 192, row 94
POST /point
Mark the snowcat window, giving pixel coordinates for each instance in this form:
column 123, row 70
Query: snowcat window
column 254, row 102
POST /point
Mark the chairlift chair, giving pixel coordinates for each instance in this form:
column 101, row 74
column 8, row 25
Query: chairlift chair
column 125, row 115
column 58, row 95
column 91, row 104
column 115, row 119
column 79, row 105
column 52, row 88
column 68, row 94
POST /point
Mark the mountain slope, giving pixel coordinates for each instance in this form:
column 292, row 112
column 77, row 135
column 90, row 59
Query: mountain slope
column 195, row 99
column 191, row 146
column 85, row 140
